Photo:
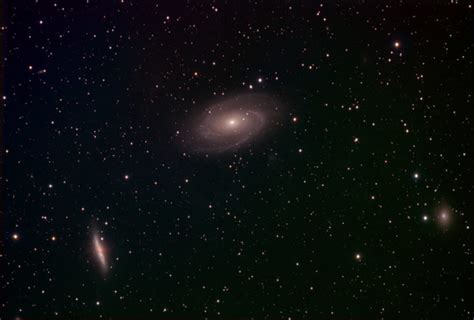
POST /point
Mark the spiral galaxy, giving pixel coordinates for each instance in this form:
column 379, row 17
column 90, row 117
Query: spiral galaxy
column 232, row 123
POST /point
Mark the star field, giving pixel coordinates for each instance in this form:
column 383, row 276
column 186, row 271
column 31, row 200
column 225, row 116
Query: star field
column 237, row 160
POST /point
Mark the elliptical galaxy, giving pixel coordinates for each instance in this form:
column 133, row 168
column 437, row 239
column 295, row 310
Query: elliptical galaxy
column 232, row 124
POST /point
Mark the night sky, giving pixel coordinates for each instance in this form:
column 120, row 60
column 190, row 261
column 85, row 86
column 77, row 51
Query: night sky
column 237, row 160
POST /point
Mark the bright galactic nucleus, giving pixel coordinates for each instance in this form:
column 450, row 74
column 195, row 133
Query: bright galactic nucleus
column 232, row 123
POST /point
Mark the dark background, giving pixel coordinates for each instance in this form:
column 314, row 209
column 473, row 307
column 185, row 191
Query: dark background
column 266, row 232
